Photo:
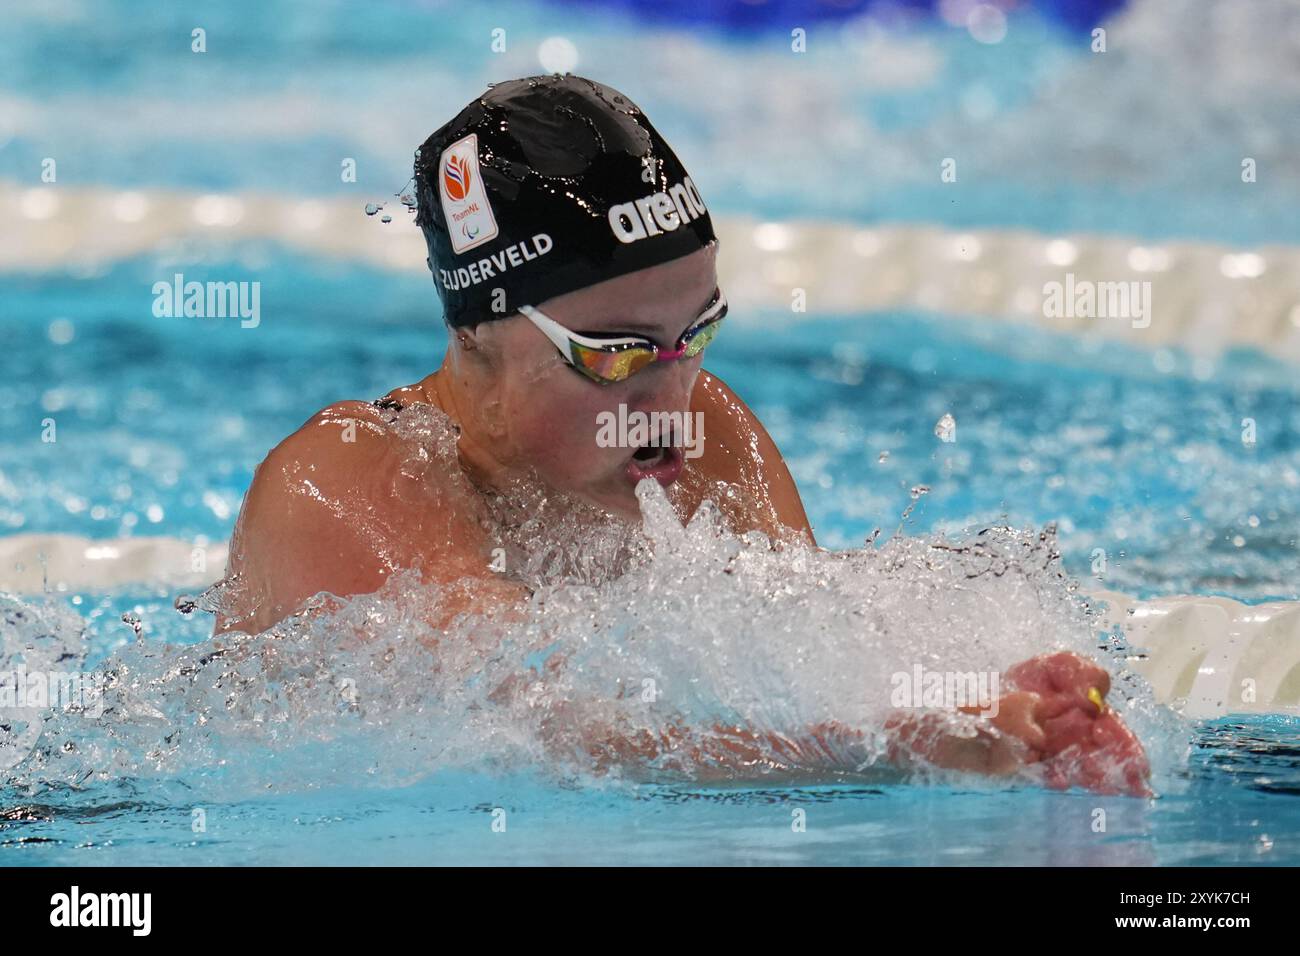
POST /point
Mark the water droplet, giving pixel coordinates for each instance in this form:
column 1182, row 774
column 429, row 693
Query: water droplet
column 373, row 207
column 945, row 427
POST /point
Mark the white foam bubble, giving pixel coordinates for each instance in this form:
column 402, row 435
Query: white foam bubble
column 637, row 637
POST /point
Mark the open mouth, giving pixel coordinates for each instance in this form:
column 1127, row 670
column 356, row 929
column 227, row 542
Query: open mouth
column 663, row 464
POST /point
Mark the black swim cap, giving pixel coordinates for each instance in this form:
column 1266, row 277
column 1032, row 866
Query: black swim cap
column 544, row 185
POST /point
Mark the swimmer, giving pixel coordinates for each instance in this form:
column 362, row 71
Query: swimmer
column 576, row 264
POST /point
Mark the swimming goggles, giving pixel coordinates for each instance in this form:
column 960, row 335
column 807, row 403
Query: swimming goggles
column 614, row 359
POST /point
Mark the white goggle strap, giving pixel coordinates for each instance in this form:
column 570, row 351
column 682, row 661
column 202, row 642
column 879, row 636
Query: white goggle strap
column 712, row 311
column 561, row 337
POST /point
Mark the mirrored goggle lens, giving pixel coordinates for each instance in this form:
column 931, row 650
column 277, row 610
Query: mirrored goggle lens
column 611, row 366
column 702, row 337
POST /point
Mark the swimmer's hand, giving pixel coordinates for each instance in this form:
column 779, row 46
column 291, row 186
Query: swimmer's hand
column 1080, row 740
column 1055, row 718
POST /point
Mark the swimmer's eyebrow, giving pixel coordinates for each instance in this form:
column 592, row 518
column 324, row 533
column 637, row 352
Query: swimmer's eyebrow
column 649, row 331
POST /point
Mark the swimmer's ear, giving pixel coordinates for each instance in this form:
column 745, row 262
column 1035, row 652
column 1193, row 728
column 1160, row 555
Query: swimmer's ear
column 467, row 337
column 487, row 381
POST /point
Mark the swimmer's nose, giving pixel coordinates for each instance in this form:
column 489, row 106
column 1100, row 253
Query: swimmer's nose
column 664, row 386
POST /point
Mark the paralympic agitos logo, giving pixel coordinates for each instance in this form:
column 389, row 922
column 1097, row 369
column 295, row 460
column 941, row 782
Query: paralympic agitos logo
column 470, row 220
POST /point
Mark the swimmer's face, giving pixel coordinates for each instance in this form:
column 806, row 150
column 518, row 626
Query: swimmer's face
column 549, row 412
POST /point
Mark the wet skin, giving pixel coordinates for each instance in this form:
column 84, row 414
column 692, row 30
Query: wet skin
column 326, row 513
column 345, row 501
column 1054, row 719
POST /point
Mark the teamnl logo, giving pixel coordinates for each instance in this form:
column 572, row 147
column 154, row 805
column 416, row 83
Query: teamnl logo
column 636, row 429
column 948, row 689
column 208, row 300
column 465, row 206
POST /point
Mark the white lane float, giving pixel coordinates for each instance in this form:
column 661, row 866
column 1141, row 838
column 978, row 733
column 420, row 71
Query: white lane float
column 1212, row 296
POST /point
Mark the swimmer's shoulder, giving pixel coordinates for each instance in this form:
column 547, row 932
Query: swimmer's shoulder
column 339, row 505
column 339, row 439
column 738, row 451
column 734, row 438
column 713, row 396
column 355, row 434
column 423, row 392
column 348, row 449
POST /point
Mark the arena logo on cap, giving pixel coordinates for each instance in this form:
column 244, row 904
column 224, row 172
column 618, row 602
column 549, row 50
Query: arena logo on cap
column 470, row 221
column 657, row 213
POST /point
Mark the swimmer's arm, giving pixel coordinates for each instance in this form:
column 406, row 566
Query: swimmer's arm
column 906, row 740
column 333, row 509
column 571, row 728
column 290, row 543
column 738, row 450
column 1054, row 718
column 721, row 752
column 738, row 753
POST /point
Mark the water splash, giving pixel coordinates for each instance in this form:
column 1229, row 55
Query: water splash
column 945, row 429
column 405, row 196
column 632, row 635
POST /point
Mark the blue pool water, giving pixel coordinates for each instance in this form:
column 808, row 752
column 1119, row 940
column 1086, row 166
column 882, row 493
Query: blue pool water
column 167, row 422
column 1236, row 809
column 162, row 421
